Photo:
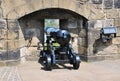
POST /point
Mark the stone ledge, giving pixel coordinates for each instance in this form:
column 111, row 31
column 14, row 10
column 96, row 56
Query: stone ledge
column 99, row 57
column 9, row 63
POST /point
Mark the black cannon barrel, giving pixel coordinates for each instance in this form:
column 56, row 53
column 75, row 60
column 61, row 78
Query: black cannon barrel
column 61, row 36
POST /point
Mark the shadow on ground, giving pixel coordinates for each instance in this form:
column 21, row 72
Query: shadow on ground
column 55, row 66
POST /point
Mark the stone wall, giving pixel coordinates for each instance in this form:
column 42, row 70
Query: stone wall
column 21, row 25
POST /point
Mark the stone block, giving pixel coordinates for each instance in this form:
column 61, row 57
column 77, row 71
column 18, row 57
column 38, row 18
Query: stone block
column 10, row 45
column 55, row 3
column 71, row 6
column 97, row 1
column 118, row 31
column 3, row 24
column 83, row 33
column 3, row 34
column 82, row 42
column 33, row 42
column 90, row 50
column 95, row 58
column 107, row 50
column 11, row 35
column 10, row 55
column 47, row 3
column 116, row 40
column 112, row 57
column 117, row 3
column 112, row 13
column 108, row 4
column 22, row 43
column 118, row 48
column 14, row 54
column 17, row 45
column 31, row 51
column 2, row 43
column 38, row 4
column 117, row 22
column 21, row 34
column 82, row 50
column 82, row 0
column 93, row 35
column 98, row 24
column 92, row 12
column 108, row 22
column 13, row 25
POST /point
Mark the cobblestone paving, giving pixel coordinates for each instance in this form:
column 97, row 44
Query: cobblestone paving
column 108, row 70
column 9, row 74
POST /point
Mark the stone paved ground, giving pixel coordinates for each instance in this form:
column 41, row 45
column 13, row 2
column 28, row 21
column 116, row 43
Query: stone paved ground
column 9, row 74
column 108, row 70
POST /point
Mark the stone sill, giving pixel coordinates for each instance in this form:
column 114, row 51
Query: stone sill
column 95, row 58
column 9, row 63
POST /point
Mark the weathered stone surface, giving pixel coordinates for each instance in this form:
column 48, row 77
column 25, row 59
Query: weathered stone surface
column 3, row 34
column 83, row 33
column 108, row 4
column 107, row 50
column 82, row 42
column 22, row 42
column 10, row 55
column 90, row 50
column 97, row 1
column 93, row 35
column 97, row 24
column 10, row 45
column 21, row 35
column 91, row 23
column 112, row 13
column 91, row 12
column 116, row 3
column 47, row 3
column 55, row 3
column 11, row 35
column 82, row 50
column 23, row 8
column 108, row 23
column 74, row 16
column 13, row 25
column 33, row 42
column 82, row 0
column 118, row 32
column 117, row 22
column 116, row 40
column 2, row 44
column 3, row 24
column 118, row 48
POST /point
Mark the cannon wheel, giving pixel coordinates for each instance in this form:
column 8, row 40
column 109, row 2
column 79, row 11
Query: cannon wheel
column 76, row 62
column 48, row 64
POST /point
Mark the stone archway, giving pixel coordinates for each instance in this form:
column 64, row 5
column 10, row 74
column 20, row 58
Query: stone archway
column 69, row 20
column 15, row 9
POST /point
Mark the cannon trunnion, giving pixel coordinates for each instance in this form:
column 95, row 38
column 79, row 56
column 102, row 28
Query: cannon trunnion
column 58, row 50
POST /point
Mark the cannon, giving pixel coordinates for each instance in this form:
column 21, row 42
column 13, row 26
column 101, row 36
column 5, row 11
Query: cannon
column 58, row 50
